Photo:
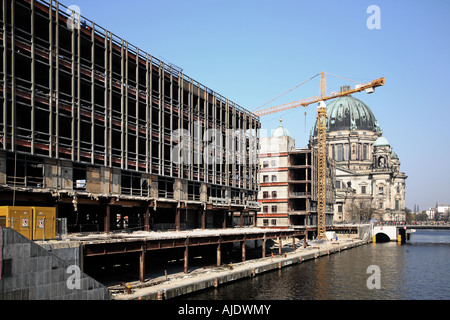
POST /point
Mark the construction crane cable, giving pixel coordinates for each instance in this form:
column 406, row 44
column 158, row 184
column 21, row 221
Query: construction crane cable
column 334, row 75
column 286, row 92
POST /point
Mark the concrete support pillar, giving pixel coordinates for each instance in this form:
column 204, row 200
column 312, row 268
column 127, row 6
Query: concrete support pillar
column 241, row 219
column 142, row 264
column 177, row 219
column 224, row 220
column 147, row 219
column 280, row 245
column 203, row 218
column 264, row 248
column 107, row 222
column 186, row 257
column 219, row 254
column 243, row 251
column 293, row 244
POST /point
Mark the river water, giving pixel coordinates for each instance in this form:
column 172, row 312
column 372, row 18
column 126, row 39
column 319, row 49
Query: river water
column 417, row 270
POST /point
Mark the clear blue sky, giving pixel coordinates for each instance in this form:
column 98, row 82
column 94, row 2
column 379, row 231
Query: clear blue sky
column 251, row 51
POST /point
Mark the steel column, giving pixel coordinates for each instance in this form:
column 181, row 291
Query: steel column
column 219, row 253
column 5, row 75
column 13, row 78
column 203, row 218
column 186, row 256
column 92, row 93
column 142, row 263
column 177, row 219
column 76, row 31
column 264, row 248
column 147, row 219
column 50, row 80
column 107, row 220
column 33, row 77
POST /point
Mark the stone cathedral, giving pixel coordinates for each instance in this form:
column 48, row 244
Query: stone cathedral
column 369, row 183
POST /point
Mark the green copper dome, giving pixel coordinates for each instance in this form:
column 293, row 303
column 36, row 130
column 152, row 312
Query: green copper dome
column 280, row 131
column 381, row 141
column 349, row 113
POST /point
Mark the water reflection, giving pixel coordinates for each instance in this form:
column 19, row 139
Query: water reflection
column 416, row 270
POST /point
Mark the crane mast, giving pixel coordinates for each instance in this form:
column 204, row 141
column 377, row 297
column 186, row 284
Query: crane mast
column 322, row 160
column 321, row 169
column 322, row 137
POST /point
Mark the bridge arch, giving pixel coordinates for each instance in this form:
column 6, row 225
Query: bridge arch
column 382, row 237
column 385, row 233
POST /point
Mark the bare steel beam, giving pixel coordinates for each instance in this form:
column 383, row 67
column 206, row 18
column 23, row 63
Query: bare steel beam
column 77, row 33
column 122, row 107
column 57, row 80
column 92, row 93
column 125, row 113
column 5, row 74
column 137, row 110
column 109, row 102
column 107, row 87
column 148, row 110
column 50, row 80
column 13, row 78
column 33, row 76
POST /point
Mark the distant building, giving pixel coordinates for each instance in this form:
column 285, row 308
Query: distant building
column 369, row 183
column 288, row 183
column 438, row 212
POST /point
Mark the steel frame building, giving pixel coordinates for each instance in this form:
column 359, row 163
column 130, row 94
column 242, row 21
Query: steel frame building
column 102, row 130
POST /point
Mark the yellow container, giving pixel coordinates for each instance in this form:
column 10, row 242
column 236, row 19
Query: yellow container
column 18, row 218
column 44, row 225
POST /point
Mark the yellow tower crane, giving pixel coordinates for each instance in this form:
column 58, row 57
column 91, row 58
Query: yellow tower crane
column 321, row 134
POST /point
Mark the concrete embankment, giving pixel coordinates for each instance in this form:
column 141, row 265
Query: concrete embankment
column 216, row 277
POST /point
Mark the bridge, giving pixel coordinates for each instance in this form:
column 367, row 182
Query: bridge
column 426, row 226
column 390, row 233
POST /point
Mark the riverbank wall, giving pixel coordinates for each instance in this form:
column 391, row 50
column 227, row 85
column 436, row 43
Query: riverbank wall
column 222, row 275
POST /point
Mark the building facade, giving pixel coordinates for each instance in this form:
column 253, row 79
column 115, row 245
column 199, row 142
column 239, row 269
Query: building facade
column 111, row 136
column 369, row 183
column 288, row 180
column 439, row 212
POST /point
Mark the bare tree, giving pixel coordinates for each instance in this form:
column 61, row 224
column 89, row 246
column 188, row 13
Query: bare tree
column 361, row 210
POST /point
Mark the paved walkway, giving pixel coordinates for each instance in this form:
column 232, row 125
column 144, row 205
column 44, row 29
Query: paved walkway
column 179, row 283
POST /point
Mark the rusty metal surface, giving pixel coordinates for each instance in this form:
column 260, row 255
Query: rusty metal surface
column 113, row 245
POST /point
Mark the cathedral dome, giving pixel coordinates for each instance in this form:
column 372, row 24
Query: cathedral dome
column 280, row 131
column 349, row 113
